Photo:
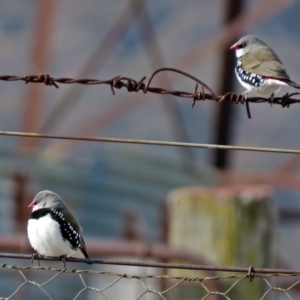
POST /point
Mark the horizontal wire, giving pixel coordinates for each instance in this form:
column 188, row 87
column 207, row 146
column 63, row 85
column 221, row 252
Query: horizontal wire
column 132, row 85
column 146, row 142
column 148, row 276
column 127, row 275
column 157, row 264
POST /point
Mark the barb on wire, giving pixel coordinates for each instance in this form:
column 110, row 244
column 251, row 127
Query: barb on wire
column 132, row 85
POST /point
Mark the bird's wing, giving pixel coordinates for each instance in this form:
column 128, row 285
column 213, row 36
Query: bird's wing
column 263, row 61
column 271, row 69
column 77, row 227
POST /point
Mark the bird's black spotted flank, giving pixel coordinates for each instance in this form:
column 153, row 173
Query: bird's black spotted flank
column 249, row 78
column 68, row 232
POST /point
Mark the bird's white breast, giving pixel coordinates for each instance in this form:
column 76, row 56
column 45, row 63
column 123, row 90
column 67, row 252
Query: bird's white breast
column 240, row 52
column 45, row 237
column 269, row 87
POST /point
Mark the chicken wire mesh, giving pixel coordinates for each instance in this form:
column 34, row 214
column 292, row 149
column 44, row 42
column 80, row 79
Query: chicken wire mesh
column 28, row 282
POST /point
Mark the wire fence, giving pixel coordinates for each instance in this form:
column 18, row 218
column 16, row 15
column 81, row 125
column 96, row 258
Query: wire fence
column 133, row 85
column 264, row 283
column 230, row 283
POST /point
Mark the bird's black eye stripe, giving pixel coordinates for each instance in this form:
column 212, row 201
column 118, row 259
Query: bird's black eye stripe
column 243, row 45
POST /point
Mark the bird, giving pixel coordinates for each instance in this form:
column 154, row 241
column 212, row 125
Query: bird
column 52, row 229
column 258, row 67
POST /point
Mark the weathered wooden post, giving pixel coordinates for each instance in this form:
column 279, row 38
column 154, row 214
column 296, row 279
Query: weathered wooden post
column 229, row 226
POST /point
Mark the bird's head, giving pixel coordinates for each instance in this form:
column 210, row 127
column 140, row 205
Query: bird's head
column 245, row 44
column 47, row 199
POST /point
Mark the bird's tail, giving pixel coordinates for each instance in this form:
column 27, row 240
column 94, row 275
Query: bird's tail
column 293, row 84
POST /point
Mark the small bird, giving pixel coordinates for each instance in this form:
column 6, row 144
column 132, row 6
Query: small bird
column 52, row 229
column 258, row 68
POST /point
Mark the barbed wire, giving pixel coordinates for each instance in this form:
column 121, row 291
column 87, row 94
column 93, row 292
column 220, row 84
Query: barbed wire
column 146, row 142
column 230, row 283
column 132, row 85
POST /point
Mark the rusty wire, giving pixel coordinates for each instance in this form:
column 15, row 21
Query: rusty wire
column 132, row 85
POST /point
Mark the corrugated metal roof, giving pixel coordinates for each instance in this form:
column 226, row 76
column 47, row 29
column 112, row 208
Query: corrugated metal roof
column 100, row 192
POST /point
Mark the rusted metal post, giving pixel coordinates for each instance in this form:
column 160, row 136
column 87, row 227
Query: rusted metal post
column 19, row 192
column 33, row 104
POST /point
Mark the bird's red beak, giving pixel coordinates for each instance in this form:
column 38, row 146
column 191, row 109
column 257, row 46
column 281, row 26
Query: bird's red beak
column 234, row 47
column 31, row 205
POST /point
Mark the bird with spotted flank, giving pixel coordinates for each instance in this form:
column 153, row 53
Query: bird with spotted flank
column 52, row 229
column 258, row 67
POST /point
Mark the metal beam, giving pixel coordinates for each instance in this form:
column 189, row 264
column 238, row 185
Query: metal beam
column 225, row 111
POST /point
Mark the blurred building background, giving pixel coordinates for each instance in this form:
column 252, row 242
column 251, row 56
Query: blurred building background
column 119, row 191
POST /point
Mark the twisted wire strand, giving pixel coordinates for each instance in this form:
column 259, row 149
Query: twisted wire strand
column 132, row 85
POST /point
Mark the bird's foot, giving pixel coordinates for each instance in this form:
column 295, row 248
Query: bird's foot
column 63, row 259
column 271, row 99
column 35, row 256
column 246, row 94
column 285, row 99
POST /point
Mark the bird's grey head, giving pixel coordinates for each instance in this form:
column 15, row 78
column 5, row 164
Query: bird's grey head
column 47, row 199
column 246, row 44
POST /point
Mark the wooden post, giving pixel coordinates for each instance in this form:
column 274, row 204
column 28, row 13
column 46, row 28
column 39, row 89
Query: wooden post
column 229, row 226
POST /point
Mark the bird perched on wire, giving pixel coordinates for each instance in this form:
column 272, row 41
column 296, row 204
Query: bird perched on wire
column 258, row 68
column 52, row 229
